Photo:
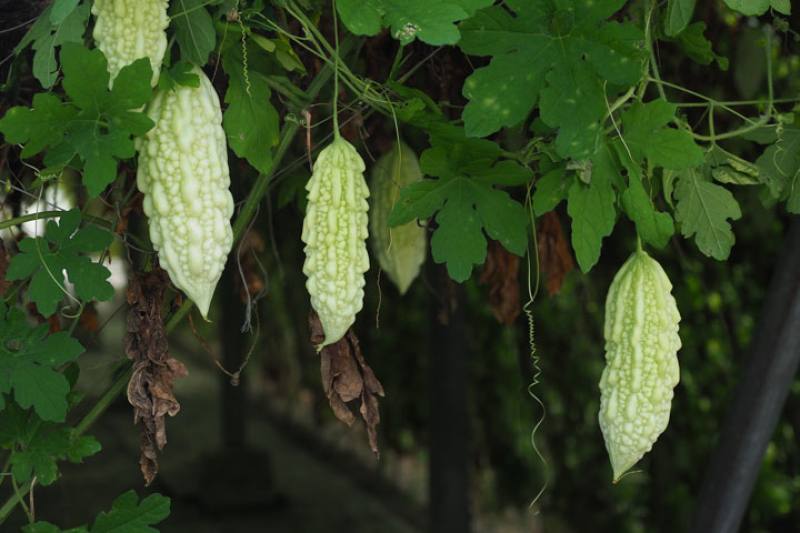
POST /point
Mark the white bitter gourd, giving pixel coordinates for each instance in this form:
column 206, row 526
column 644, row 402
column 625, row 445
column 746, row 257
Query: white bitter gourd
column 642, row 342
column 183, row 173
column 127, row 30
column 400, row 251
column 335, row 231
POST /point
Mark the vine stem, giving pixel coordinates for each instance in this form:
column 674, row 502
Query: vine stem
column 41, row 215
column 50, row 214
column 336, row 134
column 240, row 224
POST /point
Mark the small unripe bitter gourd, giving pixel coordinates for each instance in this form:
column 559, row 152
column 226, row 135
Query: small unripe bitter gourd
column 184, row 176
column 641, row 344
column 127, row 30
column 400, row 251
column 334, row 233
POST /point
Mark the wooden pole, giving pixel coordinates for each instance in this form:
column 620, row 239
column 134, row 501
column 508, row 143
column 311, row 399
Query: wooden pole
column 449, row 419
column 757, row 401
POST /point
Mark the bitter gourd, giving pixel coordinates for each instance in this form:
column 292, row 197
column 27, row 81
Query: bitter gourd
column 334, row 233
column 183, row 173
column 641, row 343
column 400, row 251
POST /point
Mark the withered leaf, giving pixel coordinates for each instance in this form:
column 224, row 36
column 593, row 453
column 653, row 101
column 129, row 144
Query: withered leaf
column 154, row 371
column 501, row 273
column 347, row 377
column 554, row 255
column 89, row 319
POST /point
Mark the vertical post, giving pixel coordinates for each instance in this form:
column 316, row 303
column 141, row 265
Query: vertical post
column 757, row 401
column 449, row 419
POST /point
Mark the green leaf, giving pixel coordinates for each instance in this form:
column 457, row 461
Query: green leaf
column 653, row 226
column 42, row 388
column 465, row 202
column 646, row 136
column 47, row 527
column 39, row 454
column 194, row 30
column 250, row 121
column 550, row 190
column 693, row 43
column 679, row 15
column 37, row 127
column 780, row 167
column 38, row 446
column 593, row 213
column 703, row 209
column 32, row 376
column 458, row 240
column 565, row 53
column 179, row 74
column 62, row 22
column 62, row 248
column 61, row 10
column 782, row 6
column 28, row 359
column 573, row 102
column 431, row 22
column 129, row 515
column 97, row 125
column 729, row 168
column 759, row 7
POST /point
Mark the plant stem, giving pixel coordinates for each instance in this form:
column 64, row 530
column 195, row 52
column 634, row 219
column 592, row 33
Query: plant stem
column 50, row 214
column 40, row 215
column 652, row 59
column 335, row 73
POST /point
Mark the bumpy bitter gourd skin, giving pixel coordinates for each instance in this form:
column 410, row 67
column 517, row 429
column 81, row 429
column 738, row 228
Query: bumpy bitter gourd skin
column 642, row 342
column 335, row 232
column 400, row 251
column 183, row 173
column 127, row 30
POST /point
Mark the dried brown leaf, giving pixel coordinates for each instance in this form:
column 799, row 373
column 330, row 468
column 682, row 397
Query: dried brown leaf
column 89, row 320
column 501, row 273
column 347, row 377
column 554, row 254
column 154, row 371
